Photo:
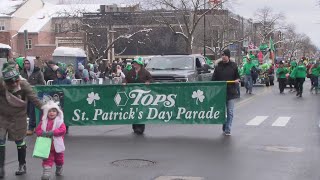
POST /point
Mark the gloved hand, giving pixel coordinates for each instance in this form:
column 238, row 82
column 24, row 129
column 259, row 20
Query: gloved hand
column 47, row 134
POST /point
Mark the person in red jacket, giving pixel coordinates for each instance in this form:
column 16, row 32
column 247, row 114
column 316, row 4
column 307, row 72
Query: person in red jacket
column 52, row 126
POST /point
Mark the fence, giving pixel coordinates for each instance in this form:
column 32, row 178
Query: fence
column 115, row 80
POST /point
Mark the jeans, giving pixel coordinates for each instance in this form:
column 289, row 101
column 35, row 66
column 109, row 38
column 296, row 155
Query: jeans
column 238, row 89
column 227, row 125
column 314, row 81
column 282, row 84
column 32, row 115
column 248, row 83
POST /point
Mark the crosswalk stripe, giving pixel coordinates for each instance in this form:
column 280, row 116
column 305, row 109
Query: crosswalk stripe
column 257, row 120
column 281, row 121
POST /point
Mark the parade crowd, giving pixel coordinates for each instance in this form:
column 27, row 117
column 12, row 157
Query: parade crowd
column 19, row 100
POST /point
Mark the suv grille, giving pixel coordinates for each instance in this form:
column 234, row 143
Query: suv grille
column 163, row 78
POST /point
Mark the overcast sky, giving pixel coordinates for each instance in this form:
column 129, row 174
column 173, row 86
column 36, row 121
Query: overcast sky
column 305, row 14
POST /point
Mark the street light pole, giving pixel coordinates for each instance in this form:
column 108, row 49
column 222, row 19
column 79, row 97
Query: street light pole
column 204, row 30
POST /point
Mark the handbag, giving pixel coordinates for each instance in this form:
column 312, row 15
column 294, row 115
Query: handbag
column 42, row 148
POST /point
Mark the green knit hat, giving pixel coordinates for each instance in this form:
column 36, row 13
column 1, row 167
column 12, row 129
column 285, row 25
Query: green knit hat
column 20, row 61
column 139, row 60
column 9, row 72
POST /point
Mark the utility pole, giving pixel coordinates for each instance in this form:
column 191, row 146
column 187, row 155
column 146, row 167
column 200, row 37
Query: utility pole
column 204, row 29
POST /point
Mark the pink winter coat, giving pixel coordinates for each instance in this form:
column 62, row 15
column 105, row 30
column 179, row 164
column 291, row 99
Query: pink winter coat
column 61, row 131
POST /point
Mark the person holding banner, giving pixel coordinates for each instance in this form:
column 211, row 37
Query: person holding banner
column 227, row 70
column 52, row 126
column 138, row 74
column 15, row 92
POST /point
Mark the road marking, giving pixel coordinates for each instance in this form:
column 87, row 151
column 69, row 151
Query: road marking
column 247, row 100
column 179, row 178
column 281, row 121
column 257, row 120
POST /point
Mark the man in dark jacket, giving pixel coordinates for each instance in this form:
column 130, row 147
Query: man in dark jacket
column 138, row 74
column 34, row 77
column 228, row 71
column 50, row 71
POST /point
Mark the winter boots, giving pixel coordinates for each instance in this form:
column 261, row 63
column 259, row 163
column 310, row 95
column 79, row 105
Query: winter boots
column 22, row 160
column 2, row 159
column 46, row 173
column 59, row 170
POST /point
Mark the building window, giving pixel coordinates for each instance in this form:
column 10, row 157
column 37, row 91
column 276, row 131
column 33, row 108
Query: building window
column 57, row 28
column 29, row 44
column 2, row 26
column 75, row 28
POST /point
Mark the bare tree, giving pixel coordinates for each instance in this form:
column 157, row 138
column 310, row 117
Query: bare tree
column 183, row 16
column 99, row 31
column 296, row 44
column 267, row 22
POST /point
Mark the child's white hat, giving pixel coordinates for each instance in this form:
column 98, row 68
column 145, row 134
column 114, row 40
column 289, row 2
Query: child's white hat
column 51, row 105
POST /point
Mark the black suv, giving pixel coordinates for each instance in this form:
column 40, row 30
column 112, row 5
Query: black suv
column 179, row 68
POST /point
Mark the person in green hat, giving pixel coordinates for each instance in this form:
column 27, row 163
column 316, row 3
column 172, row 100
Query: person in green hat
column 138, row 74
column 247, row 71
column 281, row 75
column 299, row 74
column 292, row 82
column 15, row 92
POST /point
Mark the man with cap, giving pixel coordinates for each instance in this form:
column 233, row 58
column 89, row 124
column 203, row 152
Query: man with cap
column 227, row 70
column 138, row 74
column 15, row 92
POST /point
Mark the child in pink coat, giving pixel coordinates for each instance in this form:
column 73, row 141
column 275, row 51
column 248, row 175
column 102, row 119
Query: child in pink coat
column 52, row 126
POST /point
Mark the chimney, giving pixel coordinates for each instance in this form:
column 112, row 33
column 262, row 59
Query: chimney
column 102, row 8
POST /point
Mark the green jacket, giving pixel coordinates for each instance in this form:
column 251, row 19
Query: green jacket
column 240, row 70
column 299, row 72
column 247, row 68
column 315, row 71
column 281, row 72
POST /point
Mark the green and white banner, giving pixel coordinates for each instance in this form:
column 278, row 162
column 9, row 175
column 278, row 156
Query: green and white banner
column 165, row 103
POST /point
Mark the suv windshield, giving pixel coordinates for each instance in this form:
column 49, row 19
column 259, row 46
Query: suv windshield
column 165, row 63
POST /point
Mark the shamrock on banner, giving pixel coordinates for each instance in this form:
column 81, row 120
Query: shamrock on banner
column 92, row 97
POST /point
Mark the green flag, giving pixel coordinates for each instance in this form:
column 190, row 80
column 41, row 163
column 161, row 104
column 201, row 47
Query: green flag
column 271, row 44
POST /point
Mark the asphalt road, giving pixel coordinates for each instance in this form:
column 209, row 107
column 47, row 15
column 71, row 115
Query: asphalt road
column 274, row 136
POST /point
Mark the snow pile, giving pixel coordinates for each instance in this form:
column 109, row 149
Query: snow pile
column 67, row 51
column 4, row 46
column 42, row 17
column 7, row 7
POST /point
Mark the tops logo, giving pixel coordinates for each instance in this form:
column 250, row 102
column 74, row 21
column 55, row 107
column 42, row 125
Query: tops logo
column 145, row 98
